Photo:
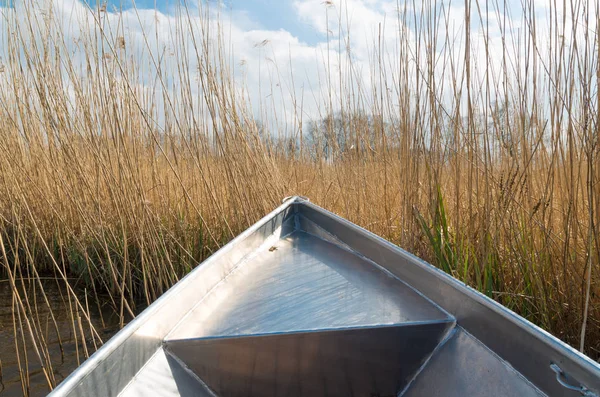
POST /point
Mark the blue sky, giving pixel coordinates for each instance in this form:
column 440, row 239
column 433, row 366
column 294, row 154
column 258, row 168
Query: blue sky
column 296, row 65
column 275, row 15
column 256, row 14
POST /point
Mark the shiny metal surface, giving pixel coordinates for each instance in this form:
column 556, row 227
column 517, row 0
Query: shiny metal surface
column 114, row 365
column 306, row 303
column 463, row 366
column 524, row 346
column 163, row 375
column 304, row 283
column 376, row 361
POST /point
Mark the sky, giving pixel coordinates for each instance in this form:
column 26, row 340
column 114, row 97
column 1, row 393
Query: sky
column 277, row 15
column 254, row 14
column 281, row 49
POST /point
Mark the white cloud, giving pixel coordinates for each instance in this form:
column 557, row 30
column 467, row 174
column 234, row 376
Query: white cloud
column 272, row 67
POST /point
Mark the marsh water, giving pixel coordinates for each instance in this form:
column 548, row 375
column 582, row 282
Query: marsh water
column 105, row 322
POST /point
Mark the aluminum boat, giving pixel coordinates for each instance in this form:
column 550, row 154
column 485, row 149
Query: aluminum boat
column 305, row 303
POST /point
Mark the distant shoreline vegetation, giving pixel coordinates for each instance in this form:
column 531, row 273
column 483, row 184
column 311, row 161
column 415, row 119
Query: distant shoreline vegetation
column 128, row 156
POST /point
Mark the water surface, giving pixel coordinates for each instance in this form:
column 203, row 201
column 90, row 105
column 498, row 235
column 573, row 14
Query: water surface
column 63, row 364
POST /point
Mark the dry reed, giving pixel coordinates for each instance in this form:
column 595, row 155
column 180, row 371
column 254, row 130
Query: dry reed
column 108, row 186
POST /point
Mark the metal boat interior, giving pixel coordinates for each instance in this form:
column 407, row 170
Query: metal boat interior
column 305, row 303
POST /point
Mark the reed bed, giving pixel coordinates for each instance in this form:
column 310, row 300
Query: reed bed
column 121, row 168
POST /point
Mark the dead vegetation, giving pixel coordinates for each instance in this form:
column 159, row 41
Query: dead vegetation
column 111, row 186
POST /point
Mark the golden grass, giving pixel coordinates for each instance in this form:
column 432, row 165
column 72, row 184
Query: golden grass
column 107, row 189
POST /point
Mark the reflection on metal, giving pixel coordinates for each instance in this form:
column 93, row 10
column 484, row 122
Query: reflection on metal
column 464, row 367
column 305, row 303
column 304, row 284
column 164, row 375
column 350, row 362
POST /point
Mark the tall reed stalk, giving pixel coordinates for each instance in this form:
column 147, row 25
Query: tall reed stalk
column 123, row 165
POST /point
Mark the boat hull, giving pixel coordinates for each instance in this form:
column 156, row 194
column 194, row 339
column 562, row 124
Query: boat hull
column 307, row 303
